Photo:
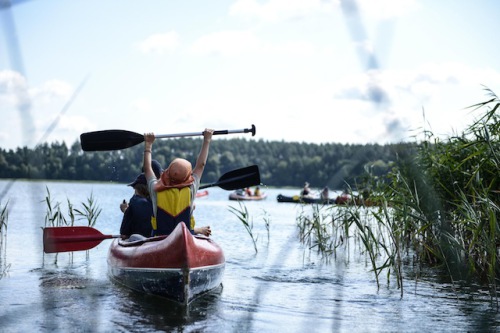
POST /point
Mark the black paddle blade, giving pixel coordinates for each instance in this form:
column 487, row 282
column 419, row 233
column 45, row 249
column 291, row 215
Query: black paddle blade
column 109, row 140
column 236, row 179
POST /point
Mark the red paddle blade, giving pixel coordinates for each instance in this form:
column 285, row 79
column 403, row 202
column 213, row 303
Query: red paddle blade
column 68, row 239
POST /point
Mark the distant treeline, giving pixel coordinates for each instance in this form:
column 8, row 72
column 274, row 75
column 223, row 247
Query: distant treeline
column 281, row 164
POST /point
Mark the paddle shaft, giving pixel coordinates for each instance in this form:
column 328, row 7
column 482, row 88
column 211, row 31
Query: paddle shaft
column 121, row 139
column 218, row 132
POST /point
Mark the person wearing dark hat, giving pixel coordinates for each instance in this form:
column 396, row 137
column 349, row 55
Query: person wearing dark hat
column 173, row 193
column 137, row 216
column 156, row 166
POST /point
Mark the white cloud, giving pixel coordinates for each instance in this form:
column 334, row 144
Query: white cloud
column 160, row 43
column 277, row 10
column 234, row 43
column 13, row 88
column 386, row 9
column 29, row 112
column 226, row 43
column 50, row 91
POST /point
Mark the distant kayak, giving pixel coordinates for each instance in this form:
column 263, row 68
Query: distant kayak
column 303, row 200
column 242, row 197
column 341, row 200
column 201, row 193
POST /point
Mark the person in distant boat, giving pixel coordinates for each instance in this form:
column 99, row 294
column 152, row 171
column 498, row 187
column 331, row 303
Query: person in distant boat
column 248, row 191
column 257, row 192
column 173, row 193
column 344, row 198
column 325, row 194
column 137, row 215
column 306, row 191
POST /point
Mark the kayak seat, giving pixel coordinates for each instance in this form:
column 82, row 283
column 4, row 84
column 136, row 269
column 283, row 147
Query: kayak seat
column 136, row 237
column 136, row 240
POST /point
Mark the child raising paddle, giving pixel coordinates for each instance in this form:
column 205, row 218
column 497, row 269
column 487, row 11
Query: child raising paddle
column 174, row 192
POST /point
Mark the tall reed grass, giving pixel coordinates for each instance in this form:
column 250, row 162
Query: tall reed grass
column 55, row 217
column 438, row 206
column 247, row 221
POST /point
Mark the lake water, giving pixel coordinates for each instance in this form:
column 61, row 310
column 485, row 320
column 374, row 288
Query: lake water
column 281, row 288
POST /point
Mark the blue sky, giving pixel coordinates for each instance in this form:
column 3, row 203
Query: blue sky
column 300, row 70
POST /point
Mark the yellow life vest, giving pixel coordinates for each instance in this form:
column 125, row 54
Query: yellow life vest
column 173, row 206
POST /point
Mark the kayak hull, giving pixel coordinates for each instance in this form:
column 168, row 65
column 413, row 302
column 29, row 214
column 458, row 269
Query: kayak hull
column 179, row 267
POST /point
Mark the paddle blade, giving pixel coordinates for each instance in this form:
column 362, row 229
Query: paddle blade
column 68, row 239
column 109, row 140
column 236, row 179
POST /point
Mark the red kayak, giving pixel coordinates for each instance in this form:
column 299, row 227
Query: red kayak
column 179, row 267
column 200, row 194
column 243, row 197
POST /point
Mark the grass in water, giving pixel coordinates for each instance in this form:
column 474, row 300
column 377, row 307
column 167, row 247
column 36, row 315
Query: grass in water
column 90, row 211
column 243, row 215
column 54, row 217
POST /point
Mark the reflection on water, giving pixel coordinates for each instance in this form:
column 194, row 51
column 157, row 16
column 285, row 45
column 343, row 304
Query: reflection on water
column 154, row 312
column 283, row 287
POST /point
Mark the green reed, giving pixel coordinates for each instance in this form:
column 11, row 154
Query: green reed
column 245, row 218
column 55, row 217
column 267, row 223
column 90, row 211
column 315, row 232
column 457, row 183
column 328, row 228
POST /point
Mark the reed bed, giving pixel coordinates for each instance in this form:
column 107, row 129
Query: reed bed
column 55, row 217
column 438, row 206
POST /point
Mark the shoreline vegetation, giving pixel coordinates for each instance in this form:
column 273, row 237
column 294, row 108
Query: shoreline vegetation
column 440, row 209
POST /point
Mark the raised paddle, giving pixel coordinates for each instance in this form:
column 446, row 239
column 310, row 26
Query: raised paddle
column 121, row 139
column 66, row 239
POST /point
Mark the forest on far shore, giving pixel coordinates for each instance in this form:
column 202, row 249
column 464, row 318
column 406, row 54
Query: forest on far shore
column 281, row 164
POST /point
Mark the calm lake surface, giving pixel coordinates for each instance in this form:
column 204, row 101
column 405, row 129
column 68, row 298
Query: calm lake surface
column 281, row 288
